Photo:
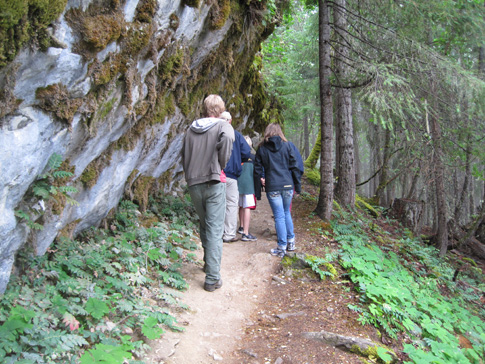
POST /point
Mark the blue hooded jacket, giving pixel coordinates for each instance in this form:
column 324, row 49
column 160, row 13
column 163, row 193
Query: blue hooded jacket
column 276, row 160
column 240, row 153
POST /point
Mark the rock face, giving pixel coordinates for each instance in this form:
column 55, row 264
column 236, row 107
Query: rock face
column 112, row 95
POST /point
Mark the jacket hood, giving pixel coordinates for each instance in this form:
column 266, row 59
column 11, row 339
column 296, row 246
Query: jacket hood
column 202, row 125
column 274, row 143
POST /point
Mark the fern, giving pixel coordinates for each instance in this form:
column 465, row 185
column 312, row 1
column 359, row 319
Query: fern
column 397, row 296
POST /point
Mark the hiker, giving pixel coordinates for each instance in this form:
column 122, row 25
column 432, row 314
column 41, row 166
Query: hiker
column 206, row 151
column 240, row 152
column 276, row 159
column 247, row 199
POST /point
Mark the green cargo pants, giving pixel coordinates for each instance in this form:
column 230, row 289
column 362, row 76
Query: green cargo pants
column 209, row 200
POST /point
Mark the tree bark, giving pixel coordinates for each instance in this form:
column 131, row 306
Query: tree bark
column 442, row 215
column 409, row 213
column 306, row 137
column 412, row 190
column 345, row 189
column 385, row 168
column 325, row 199
column 466, row 185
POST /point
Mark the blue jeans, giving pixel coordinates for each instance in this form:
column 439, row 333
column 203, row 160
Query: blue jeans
column 280, row 202
column 209, row 200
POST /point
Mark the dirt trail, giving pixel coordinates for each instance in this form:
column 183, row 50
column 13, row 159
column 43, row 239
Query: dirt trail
column 215, row 322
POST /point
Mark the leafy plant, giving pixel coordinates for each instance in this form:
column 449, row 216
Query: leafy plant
column 317, row 263
column 74, row 304
column 401, row 292
column 50, row 185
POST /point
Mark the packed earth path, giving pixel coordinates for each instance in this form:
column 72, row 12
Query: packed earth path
column 258, row 315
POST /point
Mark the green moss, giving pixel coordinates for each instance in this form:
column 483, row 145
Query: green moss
column 313, row 176
column 469, row 260
column 127, row 142
column 136, row 39
column 90, row 175
column 219, row 13
column 191, row 3
column 22, row 20
column 105, row 109
column 164, row 107
column 68, row 230
column 55, row 98
column 145, row 11
column 170, row 66
column 361, row 204
column 371, row 353
column 141, row 190
column 100, row 30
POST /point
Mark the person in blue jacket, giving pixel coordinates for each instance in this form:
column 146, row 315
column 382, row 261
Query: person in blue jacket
column 240, row 153
column 277, row 167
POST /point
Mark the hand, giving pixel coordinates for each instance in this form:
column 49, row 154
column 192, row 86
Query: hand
column 263, row 181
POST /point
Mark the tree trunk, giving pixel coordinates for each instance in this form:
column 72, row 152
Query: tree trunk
column 442, row 215
column 409, row 213
column 466, row 184
column 306, row 137
column 375, row 156
column 385, row 168
column 325, row 199
column 345, row 189
column 357, row 162
column 412, row 190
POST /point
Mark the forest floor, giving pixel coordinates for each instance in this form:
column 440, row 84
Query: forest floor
column 260, row 313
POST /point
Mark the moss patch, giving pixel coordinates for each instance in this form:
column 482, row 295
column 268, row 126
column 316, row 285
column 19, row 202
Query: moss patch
column 99, row 30
column 55, row 98
column 145, row 11
column 91, row 173
column 219, row 13
column 141, row 190
column 191, row 3
column 362, row 204
column 24, row 20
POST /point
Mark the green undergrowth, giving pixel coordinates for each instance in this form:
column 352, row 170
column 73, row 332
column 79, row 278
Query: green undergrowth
column 99, row 299
column 408, row 292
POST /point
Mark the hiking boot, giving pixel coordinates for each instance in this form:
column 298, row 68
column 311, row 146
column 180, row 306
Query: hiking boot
column 240, row 230
column 248, row 237
column 212, row 287
column 234, row 239
column 291, row 246
column 277, row 252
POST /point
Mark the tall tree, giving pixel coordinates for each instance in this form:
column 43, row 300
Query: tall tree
column 325, row 198
column 345, row 164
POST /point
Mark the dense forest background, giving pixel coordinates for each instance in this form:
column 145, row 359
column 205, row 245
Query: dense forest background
column 387, row 98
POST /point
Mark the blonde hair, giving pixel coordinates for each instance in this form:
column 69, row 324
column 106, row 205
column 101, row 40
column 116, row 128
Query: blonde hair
column 214, row 106
column 274, row 129
column 249, row 141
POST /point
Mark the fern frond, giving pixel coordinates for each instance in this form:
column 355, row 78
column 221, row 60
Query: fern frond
column 55, row 161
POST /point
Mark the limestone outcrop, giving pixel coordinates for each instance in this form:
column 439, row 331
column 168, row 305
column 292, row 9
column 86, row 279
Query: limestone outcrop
column 110, row 90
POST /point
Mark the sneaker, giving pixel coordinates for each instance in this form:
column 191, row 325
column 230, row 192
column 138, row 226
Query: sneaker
column 248, row 237
column 277, row 252
column 240, row 230
column 212, row 287
column 291, row 246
